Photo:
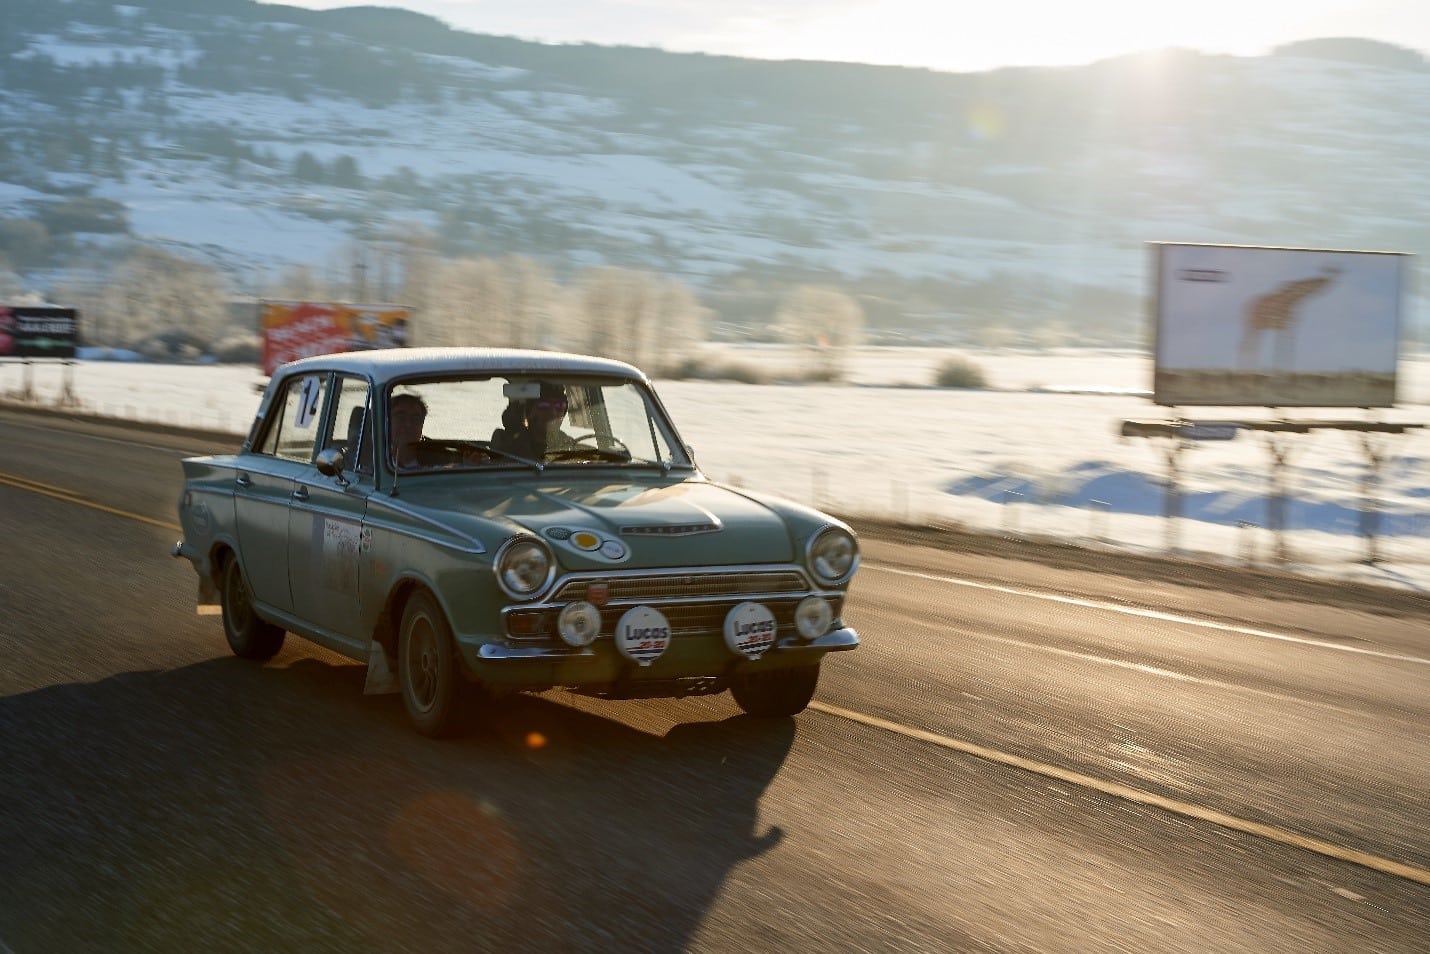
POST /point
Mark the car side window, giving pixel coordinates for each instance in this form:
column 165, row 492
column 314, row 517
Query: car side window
column 293, row 428
column 349, row 427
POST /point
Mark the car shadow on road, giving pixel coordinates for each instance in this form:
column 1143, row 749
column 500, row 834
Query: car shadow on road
column 232, row 806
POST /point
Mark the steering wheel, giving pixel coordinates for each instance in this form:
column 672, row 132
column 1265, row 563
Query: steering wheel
column 593, row 438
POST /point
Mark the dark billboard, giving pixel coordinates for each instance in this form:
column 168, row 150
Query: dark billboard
column 38, row 331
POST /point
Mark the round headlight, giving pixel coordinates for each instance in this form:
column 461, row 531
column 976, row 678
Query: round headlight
column 523, row 567
column 812, row 617
column 579, row 623
column 833, row 555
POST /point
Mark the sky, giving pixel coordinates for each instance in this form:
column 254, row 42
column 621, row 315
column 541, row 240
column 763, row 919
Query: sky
column 1040, row 454
column 954, row 35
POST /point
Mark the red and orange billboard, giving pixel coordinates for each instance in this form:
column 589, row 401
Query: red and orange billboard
column 300, row 329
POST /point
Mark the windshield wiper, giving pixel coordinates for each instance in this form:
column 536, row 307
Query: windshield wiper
column 593, row 453
column 488, row 449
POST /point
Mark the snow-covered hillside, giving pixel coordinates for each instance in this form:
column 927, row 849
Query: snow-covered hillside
column 942, row 200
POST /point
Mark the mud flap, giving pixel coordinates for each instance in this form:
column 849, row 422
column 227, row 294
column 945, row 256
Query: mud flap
column 207, row 602
column 380, row 680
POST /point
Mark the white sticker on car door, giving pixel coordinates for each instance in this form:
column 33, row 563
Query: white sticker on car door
column 339, row 555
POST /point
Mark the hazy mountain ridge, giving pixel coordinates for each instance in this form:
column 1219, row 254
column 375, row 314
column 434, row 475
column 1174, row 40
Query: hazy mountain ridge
column 254, row 135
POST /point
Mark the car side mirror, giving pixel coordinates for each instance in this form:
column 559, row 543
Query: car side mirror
column 330, row 463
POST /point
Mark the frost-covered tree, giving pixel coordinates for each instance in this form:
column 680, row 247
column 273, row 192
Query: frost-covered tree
column 634, row 316
column 469, row 304
column 298, row 283
column 826, row 321
column 509, row 302
column 10, row 285
column 165, row 305
column 538, row 317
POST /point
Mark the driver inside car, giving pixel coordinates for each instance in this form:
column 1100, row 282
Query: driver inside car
column 407, row 414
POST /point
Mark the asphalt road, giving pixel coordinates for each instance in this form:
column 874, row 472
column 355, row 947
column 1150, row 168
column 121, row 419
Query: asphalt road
column 1019, row 758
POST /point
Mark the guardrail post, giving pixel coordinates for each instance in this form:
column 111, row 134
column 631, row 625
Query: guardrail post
column 1010, row 518
column 1097, row 519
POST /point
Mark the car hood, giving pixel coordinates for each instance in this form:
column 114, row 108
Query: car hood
column 620, row 523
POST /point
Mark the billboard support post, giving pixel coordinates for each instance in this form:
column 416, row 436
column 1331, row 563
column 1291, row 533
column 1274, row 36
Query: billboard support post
column 1276, row 500
column 1277, row 435
column 68, row 397
column 1370, row 502
column 1172, row 498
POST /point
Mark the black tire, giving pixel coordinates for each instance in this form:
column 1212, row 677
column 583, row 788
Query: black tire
column 433, row 690
column 248, row 636
column 775, row 692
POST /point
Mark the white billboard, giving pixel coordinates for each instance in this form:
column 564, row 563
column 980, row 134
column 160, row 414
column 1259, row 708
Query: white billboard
column 1251, row 326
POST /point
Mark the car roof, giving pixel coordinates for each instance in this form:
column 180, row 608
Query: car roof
column 388, row 364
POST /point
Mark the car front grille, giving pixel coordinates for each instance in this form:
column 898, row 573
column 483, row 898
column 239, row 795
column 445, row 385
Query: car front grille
column 696, row 604
column 686, row 586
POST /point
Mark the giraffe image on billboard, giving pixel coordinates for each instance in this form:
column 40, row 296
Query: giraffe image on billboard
column 1257, row 326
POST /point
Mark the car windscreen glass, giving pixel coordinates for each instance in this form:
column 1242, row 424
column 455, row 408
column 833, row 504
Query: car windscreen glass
column 510, row 420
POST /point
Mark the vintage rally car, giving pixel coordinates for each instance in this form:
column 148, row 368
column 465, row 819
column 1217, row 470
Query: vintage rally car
column 472, row 522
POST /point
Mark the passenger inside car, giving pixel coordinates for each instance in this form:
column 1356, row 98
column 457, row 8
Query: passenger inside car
column 531, row 426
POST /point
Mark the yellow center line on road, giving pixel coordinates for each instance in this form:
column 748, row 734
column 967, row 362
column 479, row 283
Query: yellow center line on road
column 1144, row 613
column 1128, row 793
column 35, row 487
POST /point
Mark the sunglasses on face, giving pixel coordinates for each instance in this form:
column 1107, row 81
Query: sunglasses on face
column 551, row 404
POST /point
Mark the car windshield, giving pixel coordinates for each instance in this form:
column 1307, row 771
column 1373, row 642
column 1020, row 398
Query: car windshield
column 515, row 420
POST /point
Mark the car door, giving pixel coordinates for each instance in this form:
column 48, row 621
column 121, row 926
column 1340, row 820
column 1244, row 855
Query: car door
column 266, row 481
column 326, row 519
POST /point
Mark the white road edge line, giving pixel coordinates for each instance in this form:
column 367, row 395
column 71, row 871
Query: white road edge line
column 1128, row 793
column 1145, row 614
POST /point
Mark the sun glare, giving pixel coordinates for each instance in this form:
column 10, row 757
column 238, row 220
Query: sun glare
column 955, row 35
column 960, row 37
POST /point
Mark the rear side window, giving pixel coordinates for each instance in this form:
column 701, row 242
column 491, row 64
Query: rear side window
column 294, row 419
column 351, row 429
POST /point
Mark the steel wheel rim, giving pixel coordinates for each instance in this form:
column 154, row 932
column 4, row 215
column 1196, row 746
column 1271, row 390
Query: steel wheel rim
column 240, row 608
column 423, row 664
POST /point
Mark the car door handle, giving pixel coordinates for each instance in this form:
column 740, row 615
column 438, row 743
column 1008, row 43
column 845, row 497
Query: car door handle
column 244, row 481
column 301, row 493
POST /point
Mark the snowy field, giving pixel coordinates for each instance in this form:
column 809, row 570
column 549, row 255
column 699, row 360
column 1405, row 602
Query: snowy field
column 1038, row 454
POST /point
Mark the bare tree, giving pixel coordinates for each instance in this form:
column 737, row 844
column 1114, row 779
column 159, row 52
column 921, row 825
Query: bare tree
column 10, row 285
column 85, row 292
column 166, row 305
column 634, row 316
column 537, row 317
column 826, row 321
column 299, row 283
column 610, row 314
column 509, row 302
column 415, row 249
column 471, row 304
column 683, row 324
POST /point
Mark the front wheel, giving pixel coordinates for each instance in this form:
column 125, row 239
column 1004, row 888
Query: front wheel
column 428, row 669
column 248, row 636
column 776, row 692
